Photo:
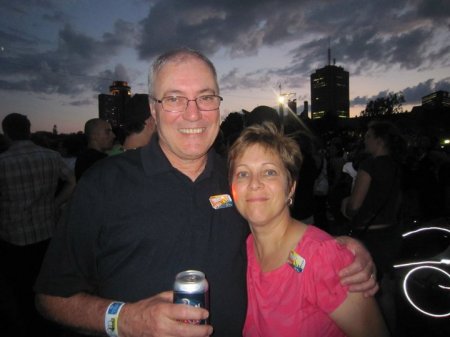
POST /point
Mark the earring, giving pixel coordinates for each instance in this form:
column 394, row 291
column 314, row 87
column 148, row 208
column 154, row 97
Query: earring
column 290, row 201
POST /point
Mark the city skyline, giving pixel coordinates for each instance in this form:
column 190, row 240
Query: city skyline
column 56, row 57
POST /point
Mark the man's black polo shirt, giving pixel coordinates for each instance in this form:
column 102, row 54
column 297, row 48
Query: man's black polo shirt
column 135, row 222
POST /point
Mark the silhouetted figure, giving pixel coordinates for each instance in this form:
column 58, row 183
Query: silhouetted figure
column 4, row 143
column 29, row 210
column 262, row 114
column 304, row 206
column 230, row 128
column 374, row 206
column 426, row 180
column 139, row 124
column 100, row 137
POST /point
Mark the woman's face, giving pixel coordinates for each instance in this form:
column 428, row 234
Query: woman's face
column 371, row 141
column 259, row 185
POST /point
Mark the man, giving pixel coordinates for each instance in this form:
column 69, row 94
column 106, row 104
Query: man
column 100, row 138
column 159, row 212
column 34, row 184
column 139, row 124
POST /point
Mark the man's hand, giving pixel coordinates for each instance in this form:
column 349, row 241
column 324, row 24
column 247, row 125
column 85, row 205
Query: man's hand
column 360, row 276
column 158, row 316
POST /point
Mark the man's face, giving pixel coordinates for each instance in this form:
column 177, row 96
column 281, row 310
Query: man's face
column 105, row 136
column 185, row 135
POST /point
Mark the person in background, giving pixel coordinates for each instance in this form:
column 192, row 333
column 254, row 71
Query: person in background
column 374, row 206
column 4, row 143
column 293, row 269
column 100, row 138
column 139, row 124
column 160, row 209
column 303, row 206
column 69, row 147
column 30, row 203
column 374, row 202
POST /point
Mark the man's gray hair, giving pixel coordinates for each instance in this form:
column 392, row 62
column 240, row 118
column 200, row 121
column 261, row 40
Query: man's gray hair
column 177, row 56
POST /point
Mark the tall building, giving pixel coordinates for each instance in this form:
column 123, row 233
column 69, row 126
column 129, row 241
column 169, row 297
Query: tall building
column 436, row 100
column 112, row 107
column 330, row 93
column 120, row 88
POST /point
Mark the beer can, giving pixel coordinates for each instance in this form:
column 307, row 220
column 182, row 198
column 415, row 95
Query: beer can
column 191, row 288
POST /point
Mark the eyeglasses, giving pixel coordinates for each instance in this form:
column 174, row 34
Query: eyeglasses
column 180, row 103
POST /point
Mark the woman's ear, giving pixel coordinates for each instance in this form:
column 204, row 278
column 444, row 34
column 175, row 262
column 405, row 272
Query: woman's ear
column 292, row 190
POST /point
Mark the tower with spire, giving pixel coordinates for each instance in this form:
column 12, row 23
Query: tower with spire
column 330, row 92
column 112, row 107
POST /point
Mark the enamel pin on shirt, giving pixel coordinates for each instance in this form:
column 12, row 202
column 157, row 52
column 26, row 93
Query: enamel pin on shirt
column 296, row 261
column 221, row 201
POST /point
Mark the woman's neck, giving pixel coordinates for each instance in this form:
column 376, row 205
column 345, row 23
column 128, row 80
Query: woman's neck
column 273, row 243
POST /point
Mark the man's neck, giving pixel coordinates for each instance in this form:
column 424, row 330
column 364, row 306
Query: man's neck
column 94, row 146
column 192, row 168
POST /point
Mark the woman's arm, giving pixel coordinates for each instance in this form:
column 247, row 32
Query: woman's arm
column 360, row 317
column 359, row 192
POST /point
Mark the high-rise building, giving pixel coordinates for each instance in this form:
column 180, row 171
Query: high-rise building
column 112, row 107
column 120, row 88
column 330, row 93
column 436, row 100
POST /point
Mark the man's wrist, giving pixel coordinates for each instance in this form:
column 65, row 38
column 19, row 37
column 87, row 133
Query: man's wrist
column 112, row 318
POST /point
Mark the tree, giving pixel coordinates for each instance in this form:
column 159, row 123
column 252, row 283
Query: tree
column 383, row 106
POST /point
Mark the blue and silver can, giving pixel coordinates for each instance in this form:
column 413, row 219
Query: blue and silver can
column 191, row 288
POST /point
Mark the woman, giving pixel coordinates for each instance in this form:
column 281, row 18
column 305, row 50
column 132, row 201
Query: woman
column 374, row 203
column 292, row 273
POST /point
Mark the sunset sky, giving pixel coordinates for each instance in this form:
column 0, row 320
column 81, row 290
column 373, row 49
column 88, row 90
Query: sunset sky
column 57, row 56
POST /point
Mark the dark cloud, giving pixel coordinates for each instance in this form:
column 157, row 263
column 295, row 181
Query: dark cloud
column 443, row 84
column 375, row 40
column 27, row 6
column 68, row 69
column 124, row 34
column 359, row 100
column 16, row 42
column 57, row 16
column 83, row 102
column 240, row 26
column 365, row 36
column 369, row 36
column 413, row 95
column 434, row 9
column 233, row 80
column 365, row 99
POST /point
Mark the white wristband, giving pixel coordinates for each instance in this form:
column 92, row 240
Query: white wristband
column 112, row 318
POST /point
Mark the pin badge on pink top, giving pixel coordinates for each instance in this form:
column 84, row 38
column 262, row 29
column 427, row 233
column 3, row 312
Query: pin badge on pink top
column 296, row 261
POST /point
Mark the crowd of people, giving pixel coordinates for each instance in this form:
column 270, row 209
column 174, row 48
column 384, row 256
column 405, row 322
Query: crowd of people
column 158, row 198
